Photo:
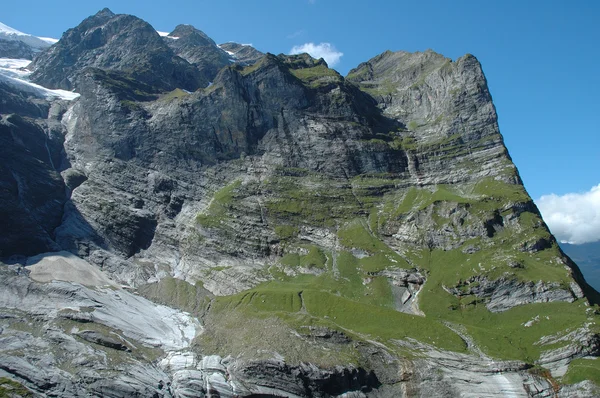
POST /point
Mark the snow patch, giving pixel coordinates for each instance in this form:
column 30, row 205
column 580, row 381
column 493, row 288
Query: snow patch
column 36, row 43
column 11, row 31
column 13, row 74
column 166, row 34
column 50, row 40
column 231, row 53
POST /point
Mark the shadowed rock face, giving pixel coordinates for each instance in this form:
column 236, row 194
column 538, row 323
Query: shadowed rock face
column 15, row 49
column 198, row 49
column 360, row 236
column 33, row 192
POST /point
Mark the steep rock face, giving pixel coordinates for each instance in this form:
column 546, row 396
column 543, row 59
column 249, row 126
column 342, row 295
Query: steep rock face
column 198, row 49
column 14, row 100
column 33, row 192
column 15, row 49
column 329, row 236
column 114, row 42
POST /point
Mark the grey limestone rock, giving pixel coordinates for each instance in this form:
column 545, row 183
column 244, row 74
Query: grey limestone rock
column 242, row 53
column 116, row 42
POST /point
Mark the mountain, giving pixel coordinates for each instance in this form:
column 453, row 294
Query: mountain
column 587, row 257
column 282, row 231
column 122, row 44
column 242, row 53
column 16, row 44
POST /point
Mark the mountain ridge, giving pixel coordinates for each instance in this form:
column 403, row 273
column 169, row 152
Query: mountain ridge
column 307, row 234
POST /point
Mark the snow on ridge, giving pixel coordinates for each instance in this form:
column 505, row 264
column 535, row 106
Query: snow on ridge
column 230, row 53
column 11, row 31
column 166, row 34
column 50, row 40
column 12, row 73
column 37, row 43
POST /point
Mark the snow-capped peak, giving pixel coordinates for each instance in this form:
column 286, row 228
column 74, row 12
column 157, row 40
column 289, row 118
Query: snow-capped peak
column 37, row 43
column 8, row 30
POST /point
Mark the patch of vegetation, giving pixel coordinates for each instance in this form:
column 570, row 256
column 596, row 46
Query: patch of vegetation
column 10, row 388
column 219, row 206
column 125, row 86
column 378, row 88
column 407, row 143
column 245, row 332
column 286, row 231
column 317, row 75
column 175, row 94
column 254, row 67
column 314, row 258
column 358, row 74
column 501, row 191
column 583, row 369
column 177, row 293
column 131, row 106
column 356, row 235
column 500, row 335
column 310, row 201
column 340, row 304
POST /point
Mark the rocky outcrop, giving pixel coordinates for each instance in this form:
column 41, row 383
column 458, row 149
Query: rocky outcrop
column 505, row 293
column 121, row 43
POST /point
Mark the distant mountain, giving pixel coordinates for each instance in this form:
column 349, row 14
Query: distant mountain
column 242, row 53
column 16, row 44
column 587, row 256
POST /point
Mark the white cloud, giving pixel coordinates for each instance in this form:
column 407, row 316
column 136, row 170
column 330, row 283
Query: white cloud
column 323, row 50
column 574, row 217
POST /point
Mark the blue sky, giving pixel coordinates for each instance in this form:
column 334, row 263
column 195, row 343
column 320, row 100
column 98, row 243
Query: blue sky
column 541, row 58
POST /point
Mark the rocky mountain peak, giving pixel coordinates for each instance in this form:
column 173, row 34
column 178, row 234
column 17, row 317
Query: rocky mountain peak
column 302, row 61
column 114, row 42
column 105, row 12
column 242, row 53
column 195, row 36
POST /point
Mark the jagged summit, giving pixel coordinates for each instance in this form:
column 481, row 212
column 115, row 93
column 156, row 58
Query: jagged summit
column 114, row 42
column 242, row 53
column 193, row 35
column 198, row 49
column 281, row 231
column 105, row 12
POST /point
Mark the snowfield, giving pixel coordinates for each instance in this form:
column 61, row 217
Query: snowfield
column 12, row 73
